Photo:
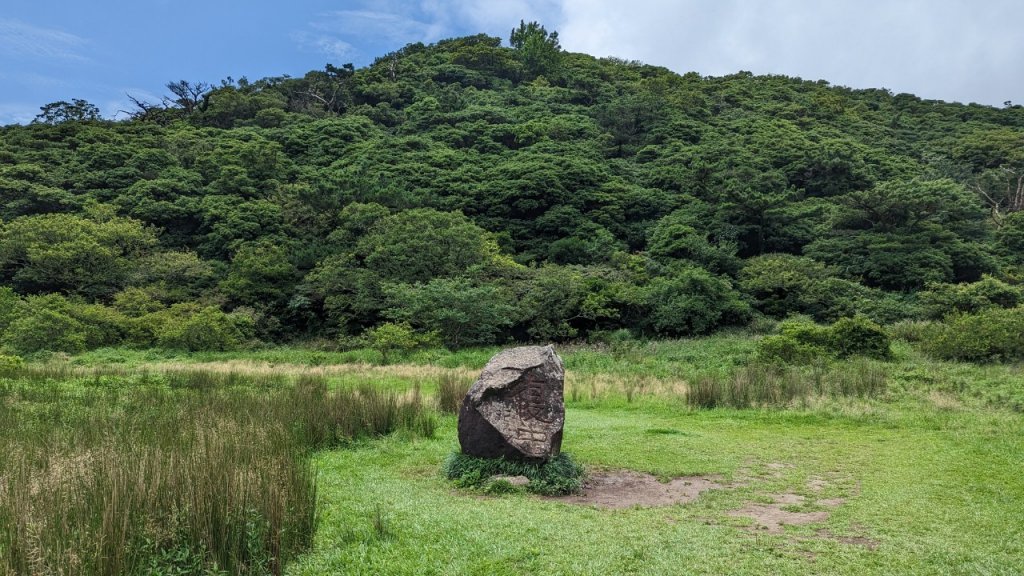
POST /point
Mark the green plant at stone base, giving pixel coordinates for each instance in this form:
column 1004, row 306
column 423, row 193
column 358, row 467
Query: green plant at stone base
column 559, row 476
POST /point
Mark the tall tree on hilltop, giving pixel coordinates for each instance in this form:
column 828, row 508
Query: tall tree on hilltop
column 539, row 50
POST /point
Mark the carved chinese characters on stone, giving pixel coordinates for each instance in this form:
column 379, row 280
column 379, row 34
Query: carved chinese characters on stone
column 515, row 409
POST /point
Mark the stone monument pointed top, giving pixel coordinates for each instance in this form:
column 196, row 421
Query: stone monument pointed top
column 515, row 409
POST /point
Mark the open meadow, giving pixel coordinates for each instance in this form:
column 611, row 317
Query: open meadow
column 305, row 462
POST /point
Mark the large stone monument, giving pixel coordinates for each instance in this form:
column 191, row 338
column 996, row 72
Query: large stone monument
column 515, row 409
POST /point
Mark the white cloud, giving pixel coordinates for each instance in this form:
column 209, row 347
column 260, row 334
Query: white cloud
column 331, row 46
column 396, row 23
column 17, row 113
column 392, row 26
column 947, row 49
column 20, row 40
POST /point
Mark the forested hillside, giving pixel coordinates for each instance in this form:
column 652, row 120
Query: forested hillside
column 476, row 193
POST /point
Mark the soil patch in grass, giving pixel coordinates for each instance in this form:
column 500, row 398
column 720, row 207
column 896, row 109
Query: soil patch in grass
column 772, row 517
column 628, row 488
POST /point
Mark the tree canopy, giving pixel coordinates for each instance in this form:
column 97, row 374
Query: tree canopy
column 483, row 193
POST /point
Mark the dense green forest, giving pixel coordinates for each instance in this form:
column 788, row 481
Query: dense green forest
column 470, row 193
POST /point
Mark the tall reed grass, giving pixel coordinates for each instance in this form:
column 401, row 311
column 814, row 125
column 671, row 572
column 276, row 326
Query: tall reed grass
column 451, row 389
column 148, row 475
column 760, row 385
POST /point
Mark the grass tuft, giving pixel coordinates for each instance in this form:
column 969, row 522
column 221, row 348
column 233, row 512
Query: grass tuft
column 451, row 389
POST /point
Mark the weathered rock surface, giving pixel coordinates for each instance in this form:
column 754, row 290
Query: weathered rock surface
column 516, row 408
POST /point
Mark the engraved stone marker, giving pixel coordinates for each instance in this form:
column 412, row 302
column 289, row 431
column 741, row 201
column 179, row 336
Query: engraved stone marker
column 515, row 409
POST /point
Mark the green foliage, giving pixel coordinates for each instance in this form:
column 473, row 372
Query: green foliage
column 208, row 329
column 991, row 335
column 45, row 323
column 782, row 284
column 420, row 244
column 558, row 476
column 539, row 50
column 692, row 301
column 9, row 363
column 787, row 349
column 801, row 341
column 72, row 254
column 77, row 110
column 903, row 235
column 674, row 238
column 1011, row 236
column 587, row 194
column 858, row 336
column 942, row 299
column 460, row 311
column 391, row 337
column 260, row 275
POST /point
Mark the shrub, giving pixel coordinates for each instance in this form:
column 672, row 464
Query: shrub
column 990, row 335
column 9, row 363
column 691, row 302
column 44, row 323
column 779, row 283
column 859, row 336
column 942, row 299
column 559, row 476
column 104, row 326
column 209, row 329
column 461, row 311
column 783, row 349
column 806, row 332
column 399, row 337
column 800, row 341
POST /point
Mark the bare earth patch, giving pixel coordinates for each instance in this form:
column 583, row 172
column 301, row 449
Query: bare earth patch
column 772, row 517
column 627, row 488
column 618, row 489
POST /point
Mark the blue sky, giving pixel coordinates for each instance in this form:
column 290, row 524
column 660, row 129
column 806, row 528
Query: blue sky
column 101, row 50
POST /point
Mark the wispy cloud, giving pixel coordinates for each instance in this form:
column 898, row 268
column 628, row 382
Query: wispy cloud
column 20, row 40
column 326, row 44
column 17, row 113
column 393, row 26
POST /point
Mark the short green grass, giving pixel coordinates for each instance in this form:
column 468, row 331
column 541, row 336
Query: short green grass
column 934, row 492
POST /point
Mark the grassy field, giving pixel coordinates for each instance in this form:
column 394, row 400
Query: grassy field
column 855, row 467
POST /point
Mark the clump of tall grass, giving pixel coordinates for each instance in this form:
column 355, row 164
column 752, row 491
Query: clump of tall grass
column 143, row 478
column 758, row 384
column 324, row 418
column 911, row 330
column 451, row 389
